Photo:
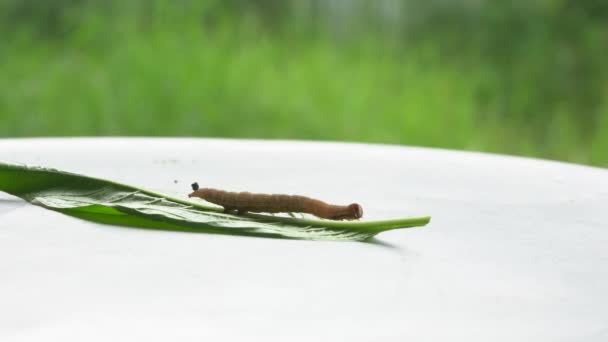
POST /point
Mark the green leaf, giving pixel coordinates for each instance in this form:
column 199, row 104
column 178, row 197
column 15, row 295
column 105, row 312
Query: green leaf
column 113, row 203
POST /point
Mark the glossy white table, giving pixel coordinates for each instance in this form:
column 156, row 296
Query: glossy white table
column 517, row 249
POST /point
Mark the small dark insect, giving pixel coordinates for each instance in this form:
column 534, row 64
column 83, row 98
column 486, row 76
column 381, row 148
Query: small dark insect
column 243, row 202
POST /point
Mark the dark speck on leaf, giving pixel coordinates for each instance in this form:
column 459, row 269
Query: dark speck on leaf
column 194, row 186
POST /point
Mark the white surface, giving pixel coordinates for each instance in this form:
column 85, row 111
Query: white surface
column 516, row 250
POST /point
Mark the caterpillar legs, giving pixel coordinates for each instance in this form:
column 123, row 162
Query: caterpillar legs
column 232, row 210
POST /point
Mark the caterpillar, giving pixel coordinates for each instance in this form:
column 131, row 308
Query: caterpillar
column 243, row 202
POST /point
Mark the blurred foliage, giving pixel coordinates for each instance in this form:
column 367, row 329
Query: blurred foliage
column 522, row 77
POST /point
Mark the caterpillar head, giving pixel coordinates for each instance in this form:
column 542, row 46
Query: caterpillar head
column 194, row 188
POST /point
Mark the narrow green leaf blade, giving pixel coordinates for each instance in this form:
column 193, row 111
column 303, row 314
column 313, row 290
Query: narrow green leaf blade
column 113, row 203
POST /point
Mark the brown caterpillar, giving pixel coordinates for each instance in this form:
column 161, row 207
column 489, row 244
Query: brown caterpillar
column 243, row 202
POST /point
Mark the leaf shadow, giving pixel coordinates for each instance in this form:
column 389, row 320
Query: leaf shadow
column 10, row 204
column 377, row 242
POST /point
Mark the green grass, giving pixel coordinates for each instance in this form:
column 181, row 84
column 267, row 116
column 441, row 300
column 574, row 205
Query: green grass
column 178, row 79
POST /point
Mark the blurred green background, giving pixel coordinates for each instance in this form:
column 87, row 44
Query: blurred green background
column 518, row 77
